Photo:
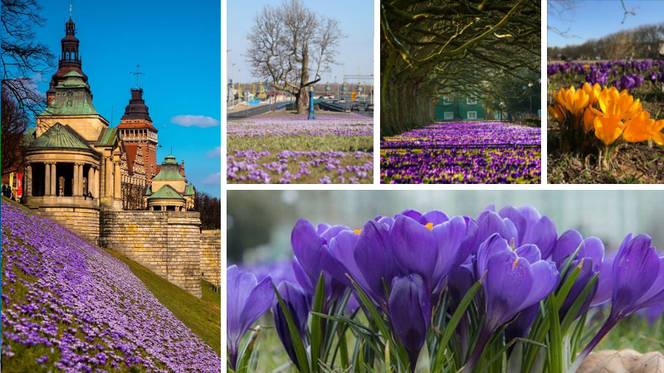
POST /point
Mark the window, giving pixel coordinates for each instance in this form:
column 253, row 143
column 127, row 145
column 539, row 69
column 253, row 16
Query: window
column 447, row 100
column 471, row 101
column 449, row 115
column 472, row 115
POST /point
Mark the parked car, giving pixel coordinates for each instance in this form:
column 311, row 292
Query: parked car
column 355, row 107
column 335, row 102
column 369, row 107
column 342, row 101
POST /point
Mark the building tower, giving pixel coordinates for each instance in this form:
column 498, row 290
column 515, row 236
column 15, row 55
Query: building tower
column 69, row 61
column 136, row 129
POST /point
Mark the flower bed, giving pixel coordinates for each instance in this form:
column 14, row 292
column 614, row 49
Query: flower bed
column 287, row 148
column 69, row 306
column 463, row 152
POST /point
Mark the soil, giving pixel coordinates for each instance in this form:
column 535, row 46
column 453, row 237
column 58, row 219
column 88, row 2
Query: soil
column 634, row 163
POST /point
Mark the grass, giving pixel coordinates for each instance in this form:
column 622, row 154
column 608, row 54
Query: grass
column 202, row 316
column 633, row 332
column 276, row 144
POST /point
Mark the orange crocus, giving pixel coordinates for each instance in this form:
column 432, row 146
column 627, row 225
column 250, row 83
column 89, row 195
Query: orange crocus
column 639, row 128
column 608, row 128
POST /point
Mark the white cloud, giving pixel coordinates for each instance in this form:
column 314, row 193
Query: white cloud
column 214, row 179
column 216, row 153
column 195, row 121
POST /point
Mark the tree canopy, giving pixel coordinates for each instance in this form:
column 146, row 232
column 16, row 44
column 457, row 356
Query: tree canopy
column 431, row 48
column 289, row 44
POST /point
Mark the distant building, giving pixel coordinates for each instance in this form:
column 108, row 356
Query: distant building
column 448, row 109
column 169, row 190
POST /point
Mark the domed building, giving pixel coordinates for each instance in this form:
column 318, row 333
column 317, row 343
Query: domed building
column 169, row 190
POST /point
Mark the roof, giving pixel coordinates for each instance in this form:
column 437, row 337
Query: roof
column 170, row 159
column 166, row 192
column 189, row 190
column 60, row 137
column 148, row 190
column 108, row 137
column 29, row 137
column 129, row 124
column 66, row 104
column 131, row 150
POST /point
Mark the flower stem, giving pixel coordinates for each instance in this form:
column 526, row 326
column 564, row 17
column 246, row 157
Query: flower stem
column 608, row 325
column 485, row 335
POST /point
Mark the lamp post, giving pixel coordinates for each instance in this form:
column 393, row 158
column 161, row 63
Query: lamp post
column 227, row 50
column 239, row 84
column 311, row 103
column 233, row 82
column 530, row 95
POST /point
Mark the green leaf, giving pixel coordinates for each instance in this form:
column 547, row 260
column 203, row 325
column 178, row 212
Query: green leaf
column 317, row 324
column 298, row 344
column 554, row 352
column 441, row 346
column 423, row 361
column 246, row 352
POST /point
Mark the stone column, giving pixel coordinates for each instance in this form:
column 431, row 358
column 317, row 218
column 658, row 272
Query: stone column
column 96, row 192
column 27, row 181
column 74, row 185
column 91, row 178
column 109, row 177
column 47, row 179
column 54, row 179
column 80, row 179
column 118, row 180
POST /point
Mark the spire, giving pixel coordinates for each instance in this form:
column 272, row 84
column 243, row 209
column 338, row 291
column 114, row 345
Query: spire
column 136, row 108
column 137, row 74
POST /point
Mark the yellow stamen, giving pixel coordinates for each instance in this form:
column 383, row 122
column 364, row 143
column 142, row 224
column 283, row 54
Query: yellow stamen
column 514, row 264
column 429, row 226
column 357, row 231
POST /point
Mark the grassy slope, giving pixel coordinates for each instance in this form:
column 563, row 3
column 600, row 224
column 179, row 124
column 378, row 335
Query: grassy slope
column 202, row 316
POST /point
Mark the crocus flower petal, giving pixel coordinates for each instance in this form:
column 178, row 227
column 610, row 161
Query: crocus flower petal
column 410, row 313
column 307, row 247
column 635, row 269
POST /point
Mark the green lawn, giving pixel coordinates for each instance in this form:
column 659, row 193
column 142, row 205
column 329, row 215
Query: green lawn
column 202, row 316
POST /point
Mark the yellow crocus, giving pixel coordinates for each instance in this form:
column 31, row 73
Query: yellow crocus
column 572, row 99
column 656, row 134
column 558, row 112
column 608, row 128
column 618, row 104
column 593, row 92
column 639, row 128
column 589, row 120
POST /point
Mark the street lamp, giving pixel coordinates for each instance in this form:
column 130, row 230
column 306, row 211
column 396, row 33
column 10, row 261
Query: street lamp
column 233, row 82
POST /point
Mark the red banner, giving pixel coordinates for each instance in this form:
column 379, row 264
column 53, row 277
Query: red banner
column 19, row 185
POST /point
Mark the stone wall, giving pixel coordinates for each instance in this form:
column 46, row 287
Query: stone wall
column 82, row 221
column 211, row 256
column 167, row 243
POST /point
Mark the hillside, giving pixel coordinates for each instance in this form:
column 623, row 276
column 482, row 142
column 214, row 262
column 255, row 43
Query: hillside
column 69, row 305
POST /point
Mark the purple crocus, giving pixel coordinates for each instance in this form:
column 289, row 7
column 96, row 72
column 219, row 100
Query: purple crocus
column 532, row 228
column 308, row 244
column 429, row 250
column 297, row 304
column 638, row 282
column 410, row 314
column 367, row 258
column 247, row 300
column 515, row 280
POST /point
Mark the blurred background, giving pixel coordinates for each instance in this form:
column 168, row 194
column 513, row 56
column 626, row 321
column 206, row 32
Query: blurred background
column 259, row 223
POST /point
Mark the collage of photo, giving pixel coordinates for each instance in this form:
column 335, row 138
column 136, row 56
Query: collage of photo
column 116, row 225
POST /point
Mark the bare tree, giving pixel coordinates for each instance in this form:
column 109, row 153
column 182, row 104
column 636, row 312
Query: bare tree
column 23, row 58
column 289, row 44
column 14, row 124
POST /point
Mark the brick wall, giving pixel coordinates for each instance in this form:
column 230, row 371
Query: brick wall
column 82, row 221
column 211, row 256
column 168, row 243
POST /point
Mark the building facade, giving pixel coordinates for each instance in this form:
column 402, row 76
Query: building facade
column 467, row 108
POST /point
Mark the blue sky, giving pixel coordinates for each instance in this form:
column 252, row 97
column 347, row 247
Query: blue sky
column 594, row 19
column 178, row 47
column 356, row 18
